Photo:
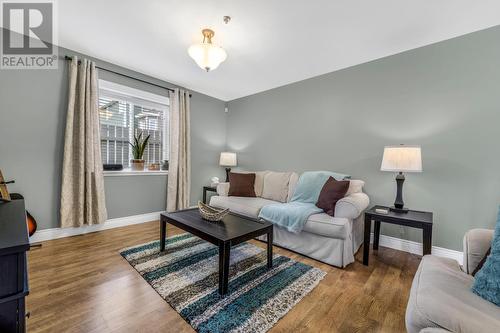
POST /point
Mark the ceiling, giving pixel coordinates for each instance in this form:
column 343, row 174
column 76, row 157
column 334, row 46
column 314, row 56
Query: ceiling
column 269, row 43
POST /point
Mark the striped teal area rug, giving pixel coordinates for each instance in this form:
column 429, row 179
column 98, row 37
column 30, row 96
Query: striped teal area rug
column 186, row 276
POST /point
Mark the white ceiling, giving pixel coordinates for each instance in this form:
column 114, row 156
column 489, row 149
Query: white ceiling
column 269, row 42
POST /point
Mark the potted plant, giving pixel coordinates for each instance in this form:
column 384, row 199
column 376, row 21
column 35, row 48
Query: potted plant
column 138, row 148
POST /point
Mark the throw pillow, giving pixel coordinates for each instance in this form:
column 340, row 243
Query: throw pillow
column 487, row 280
column 332, row 191
column 241, row 184
column 259, row 181
column 276, row 186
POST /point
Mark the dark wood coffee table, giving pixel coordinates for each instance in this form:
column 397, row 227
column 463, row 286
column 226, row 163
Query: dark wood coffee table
column 232, row 230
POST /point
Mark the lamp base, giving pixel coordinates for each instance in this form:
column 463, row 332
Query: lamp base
column 228, row 170
column 399, row 210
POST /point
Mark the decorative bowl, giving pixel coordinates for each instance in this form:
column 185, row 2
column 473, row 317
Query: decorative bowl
column 211, row 213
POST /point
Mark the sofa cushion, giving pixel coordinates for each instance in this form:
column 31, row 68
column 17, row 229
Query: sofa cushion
column 332, row 191
column 441, row 297
column 325, row 225
column 259, row 181
column 320, row 224
column 294, row 178
column 241, row 205
column 276, row 186
column 241, row 184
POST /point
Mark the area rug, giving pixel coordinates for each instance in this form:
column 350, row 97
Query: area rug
column 186, row 276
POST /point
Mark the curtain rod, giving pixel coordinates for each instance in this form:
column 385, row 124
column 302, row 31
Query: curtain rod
column 127, row 76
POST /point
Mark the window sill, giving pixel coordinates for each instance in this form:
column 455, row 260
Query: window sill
column 130, row 172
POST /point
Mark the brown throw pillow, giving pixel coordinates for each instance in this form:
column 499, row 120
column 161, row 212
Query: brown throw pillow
column 481, row 263
column 332, row 191
column 241, row 184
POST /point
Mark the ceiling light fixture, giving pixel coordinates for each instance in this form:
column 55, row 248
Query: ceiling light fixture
column 207, row 55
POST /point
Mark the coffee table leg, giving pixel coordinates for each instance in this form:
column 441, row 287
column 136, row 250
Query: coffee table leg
column 163, row 233
column 270, row 248
column 224, row 255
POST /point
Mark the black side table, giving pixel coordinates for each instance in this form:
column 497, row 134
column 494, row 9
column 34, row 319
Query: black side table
column 208, row 188
column 414, row 218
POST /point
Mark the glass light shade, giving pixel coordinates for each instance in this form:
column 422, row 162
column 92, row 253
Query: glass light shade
column 227, row 159
column 402, row 159
column 207, row 56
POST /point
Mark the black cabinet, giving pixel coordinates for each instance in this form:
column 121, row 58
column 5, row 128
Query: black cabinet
column 13, row 266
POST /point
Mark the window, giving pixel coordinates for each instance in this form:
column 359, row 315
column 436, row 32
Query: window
column 125, row 111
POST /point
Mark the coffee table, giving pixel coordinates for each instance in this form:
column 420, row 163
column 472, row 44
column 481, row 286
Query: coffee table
column 232, row 230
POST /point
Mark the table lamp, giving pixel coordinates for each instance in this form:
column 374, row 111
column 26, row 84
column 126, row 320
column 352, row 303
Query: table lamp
column 401, row 159
column 227, row 160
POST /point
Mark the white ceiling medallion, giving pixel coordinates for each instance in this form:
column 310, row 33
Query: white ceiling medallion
column 207, row 55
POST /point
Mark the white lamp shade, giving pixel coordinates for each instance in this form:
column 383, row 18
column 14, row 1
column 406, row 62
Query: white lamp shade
column 207, row 55
column 227, row 159
column 402, row 159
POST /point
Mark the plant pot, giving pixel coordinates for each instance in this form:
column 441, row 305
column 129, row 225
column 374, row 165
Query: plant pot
column 137, row 165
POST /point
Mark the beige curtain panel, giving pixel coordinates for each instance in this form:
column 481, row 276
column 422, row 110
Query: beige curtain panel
column 179, row 171
column 82, row 193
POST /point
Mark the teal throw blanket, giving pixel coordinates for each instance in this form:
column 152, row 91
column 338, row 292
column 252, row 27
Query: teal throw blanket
column 293, row 215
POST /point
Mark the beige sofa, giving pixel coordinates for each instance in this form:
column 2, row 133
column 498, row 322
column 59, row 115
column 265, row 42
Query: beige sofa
column 333, row 240
column 441, row 299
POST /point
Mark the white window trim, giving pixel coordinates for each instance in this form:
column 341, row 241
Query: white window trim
column 121, row 90
column 130, row 172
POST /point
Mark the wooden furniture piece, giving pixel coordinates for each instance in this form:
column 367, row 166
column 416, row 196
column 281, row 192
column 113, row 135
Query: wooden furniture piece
column 231, row 230
column 210, row 189
column 13, row 265
column 413, row 218
column 4, row 192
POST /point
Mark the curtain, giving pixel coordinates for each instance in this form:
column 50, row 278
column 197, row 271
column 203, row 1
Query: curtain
column 82, row 192
column 179, row 171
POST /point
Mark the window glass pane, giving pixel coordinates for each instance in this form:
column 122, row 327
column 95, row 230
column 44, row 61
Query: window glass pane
column 121, row 118
column 149, row 121
column 115, row 130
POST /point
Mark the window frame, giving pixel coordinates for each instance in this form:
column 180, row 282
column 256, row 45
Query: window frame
column 145, row 99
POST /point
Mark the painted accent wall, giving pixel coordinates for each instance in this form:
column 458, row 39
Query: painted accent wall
column 32, row 122
column 444, row 97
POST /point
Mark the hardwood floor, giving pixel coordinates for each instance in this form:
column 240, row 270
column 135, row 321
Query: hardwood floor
column 82, row 284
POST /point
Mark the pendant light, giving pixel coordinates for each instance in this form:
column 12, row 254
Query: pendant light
column 207, row 55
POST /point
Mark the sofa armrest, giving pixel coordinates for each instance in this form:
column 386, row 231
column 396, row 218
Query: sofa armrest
column 476, row 244
column 352, row 205
column 223, row 189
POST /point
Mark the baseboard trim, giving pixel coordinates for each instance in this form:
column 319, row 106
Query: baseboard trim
column 55, row 233
column 386, row 241
column 417, row 248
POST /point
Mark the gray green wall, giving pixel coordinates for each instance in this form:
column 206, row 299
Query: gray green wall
column 32, row 121
column 444, row 97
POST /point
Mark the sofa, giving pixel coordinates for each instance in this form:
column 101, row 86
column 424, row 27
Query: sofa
column 330, row 239
column 441, row 299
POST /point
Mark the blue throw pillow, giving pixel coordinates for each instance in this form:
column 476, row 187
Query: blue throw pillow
column 487, row 280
